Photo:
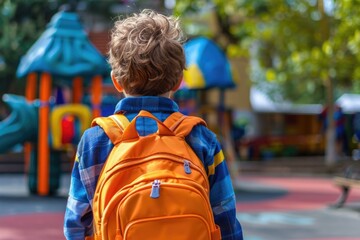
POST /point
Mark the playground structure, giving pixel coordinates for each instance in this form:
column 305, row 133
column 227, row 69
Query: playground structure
column 46, row 122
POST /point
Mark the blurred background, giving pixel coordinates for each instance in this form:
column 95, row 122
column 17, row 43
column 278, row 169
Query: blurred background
column 278, row 81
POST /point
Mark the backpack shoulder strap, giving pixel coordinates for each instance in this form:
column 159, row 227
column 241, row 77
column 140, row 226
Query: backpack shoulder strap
column 181, row 124
column 113, row 126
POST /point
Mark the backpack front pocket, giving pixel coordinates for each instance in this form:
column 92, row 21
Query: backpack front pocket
column 181, row 227
column 177, row 212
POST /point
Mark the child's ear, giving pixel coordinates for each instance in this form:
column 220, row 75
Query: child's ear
column 177, row 86
column 116, row 83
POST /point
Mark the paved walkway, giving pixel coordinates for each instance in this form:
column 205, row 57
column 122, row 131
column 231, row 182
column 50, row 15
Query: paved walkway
column 269, row 208
column 24, row 216
column 286, row 208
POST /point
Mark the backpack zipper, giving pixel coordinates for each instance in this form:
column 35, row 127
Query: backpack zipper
column 187, row 168
column 167, row 156
column 155, row 189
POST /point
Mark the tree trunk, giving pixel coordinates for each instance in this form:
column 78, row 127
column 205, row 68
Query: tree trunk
column 330, row 150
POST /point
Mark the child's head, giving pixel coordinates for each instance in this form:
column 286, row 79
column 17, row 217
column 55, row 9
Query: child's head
column 146, row 54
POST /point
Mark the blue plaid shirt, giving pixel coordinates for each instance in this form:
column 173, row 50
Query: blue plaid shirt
column 94, row 148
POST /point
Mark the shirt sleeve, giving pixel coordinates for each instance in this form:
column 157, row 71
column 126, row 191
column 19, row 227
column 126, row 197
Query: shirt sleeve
column 92, row 152
column 78, row 214
column 222, row 196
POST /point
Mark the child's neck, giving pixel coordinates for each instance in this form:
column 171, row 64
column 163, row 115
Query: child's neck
column 167, row 94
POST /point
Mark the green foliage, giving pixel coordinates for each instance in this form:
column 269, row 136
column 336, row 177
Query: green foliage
column 296, row 45
column 21, row 23
column 289, row 45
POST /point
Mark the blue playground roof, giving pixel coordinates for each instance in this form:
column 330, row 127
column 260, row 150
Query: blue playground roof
column 207, row 65
column 64, row 50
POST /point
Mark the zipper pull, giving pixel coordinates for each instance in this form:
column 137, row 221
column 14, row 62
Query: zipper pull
column 187, row 168
column 155, row 189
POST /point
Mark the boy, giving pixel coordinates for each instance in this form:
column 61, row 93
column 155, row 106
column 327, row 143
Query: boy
column 147, row 61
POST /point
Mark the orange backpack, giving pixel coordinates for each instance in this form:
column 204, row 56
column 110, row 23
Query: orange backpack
column 152, row 187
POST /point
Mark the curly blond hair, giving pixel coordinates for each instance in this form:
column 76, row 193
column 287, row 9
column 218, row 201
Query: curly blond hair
column 146, row 53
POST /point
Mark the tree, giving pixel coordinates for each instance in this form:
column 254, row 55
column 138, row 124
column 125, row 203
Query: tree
column 21, row 23
column 306, row 51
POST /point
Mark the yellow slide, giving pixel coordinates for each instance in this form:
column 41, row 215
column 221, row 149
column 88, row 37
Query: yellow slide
column 82, row 112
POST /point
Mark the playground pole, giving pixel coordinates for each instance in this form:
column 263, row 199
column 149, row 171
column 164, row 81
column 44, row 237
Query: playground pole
column 78, row 90
column 96, row 96
column 229, row 148
column 43, row 143
column 30, row 94
column 30, row 91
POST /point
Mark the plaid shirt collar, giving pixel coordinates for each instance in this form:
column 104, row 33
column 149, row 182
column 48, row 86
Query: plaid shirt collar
column 148, row 103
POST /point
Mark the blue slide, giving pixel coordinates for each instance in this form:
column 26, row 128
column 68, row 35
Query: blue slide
column 22, row 123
